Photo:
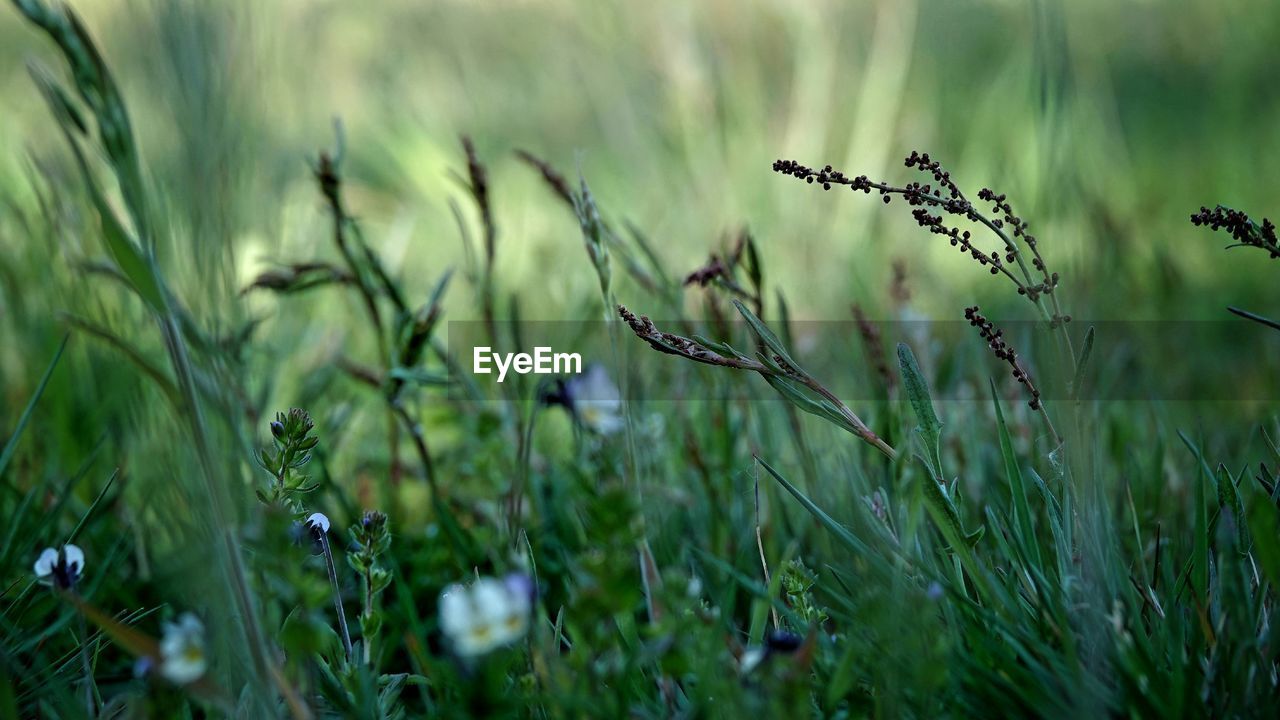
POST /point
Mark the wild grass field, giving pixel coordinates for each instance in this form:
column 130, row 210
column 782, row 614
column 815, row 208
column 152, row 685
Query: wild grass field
column 918, row 382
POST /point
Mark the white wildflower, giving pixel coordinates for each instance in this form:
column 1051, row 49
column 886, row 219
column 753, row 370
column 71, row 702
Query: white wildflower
column 182, row 655
column 751, row 658
column 61, row 567
column 595, row 401
column 487, row 615
column 318, row 521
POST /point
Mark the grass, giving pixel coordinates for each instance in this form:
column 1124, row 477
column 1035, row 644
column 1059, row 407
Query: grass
column 208, row 341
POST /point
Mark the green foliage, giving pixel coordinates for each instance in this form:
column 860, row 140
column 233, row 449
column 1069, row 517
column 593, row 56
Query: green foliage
column 292, row 449
column 1117, row 576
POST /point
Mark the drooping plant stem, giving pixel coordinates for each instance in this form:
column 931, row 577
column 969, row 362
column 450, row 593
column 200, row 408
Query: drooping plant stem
column 949, row 199
column 779, row 371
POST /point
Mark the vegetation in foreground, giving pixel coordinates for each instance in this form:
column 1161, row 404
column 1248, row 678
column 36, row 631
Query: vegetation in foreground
column 571, row 549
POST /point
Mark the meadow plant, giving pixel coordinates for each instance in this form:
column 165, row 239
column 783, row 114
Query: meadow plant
column 1004, row 352
column 942, row 564
column 592, row 400
column 774, row 365
column 318, row 525
column 1017, row 255
column 1246, row 233
column 947, row 197
column 370, row 540
column 486, row 615
column 1243, row 229
column 293, row 446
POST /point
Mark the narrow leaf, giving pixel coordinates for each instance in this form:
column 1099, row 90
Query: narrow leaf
column 128, row 256
column 840, row 531
column 930, row 427
column 1083, row 360
column 12, row 443
column 1017, row 485
column 765, row 334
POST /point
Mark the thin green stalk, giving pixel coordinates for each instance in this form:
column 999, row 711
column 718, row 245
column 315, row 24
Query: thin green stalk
column 367, row 611
column 90, row 706
column 331, row 187
column 337, row 594
column 859, row 428
column 523, row 471
column 419, row 444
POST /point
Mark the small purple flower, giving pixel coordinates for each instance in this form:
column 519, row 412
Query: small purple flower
column 520, row 584
column 143, row 667
column 782, row 641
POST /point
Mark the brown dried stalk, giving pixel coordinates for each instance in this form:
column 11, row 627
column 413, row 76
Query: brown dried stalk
column 777, row 369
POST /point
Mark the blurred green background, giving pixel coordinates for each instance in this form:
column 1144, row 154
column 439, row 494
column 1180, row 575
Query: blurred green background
column 1107, row 123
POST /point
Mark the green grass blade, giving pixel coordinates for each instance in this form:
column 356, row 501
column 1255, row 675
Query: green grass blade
column 1081, row 362
column 129, row 258
column 840, row 531
column 132, row 354
column 1017, row 484
column 11, row 443
column 930, row 427
column 1263, row 518
column 766, row 335
column 88, row 514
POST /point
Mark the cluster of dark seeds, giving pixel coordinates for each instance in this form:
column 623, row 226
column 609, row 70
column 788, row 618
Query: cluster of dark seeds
column 915, row 193
column 1003, row 351
column 1242, row 228
column 958, row 238
column 673, row 344
column 1018, row 227
column 943, row 194
column 924, row 163
column 826, row 177
column 714, row 268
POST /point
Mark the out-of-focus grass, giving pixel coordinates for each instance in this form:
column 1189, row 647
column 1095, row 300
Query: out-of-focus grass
column 1107, row 122
column 1111, row 120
